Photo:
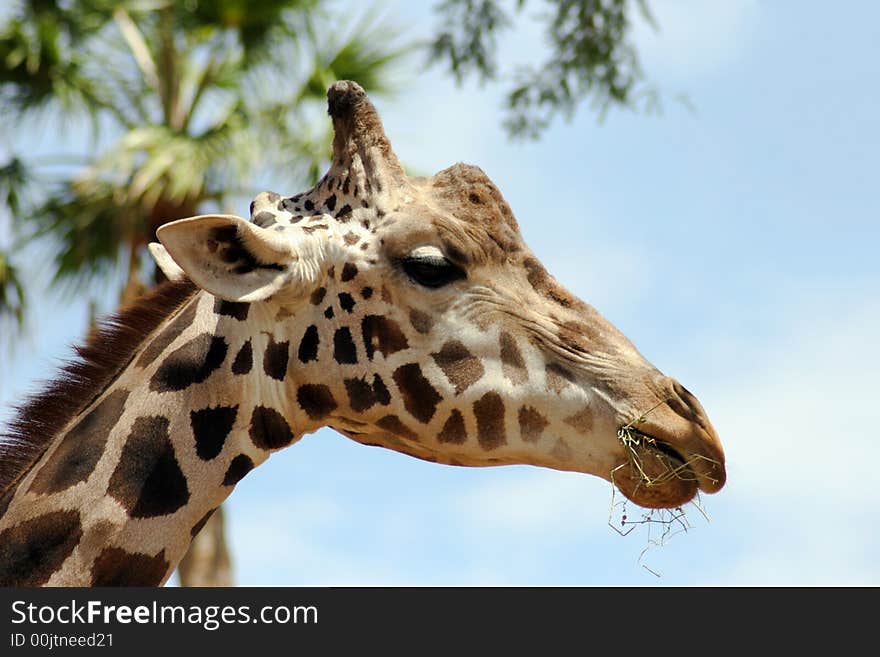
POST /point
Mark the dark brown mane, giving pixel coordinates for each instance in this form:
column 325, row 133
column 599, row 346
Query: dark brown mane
column 107, row 351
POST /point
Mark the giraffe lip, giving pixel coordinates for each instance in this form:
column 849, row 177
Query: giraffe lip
column 667, row 449
column 675, row 463
column 654, row 474
column 694, row 448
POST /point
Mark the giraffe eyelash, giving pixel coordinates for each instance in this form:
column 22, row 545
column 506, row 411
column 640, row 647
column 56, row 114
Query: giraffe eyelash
column 431, row 271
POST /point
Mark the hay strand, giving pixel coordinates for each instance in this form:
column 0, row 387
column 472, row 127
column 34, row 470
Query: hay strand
column 649, row 459
column 651, row 464
column 661, row 525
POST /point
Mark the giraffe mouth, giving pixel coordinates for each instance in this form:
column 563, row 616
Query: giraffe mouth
column 654, row 474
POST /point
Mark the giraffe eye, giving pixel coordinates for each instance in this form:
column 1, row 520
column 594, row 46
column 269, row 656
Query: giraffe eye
column 431, row 268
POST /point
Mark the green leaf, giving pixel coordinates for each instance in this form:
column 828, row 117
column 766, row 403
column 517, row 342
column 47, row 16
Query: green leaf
column 12, row 295
column 15, row 180
column 592, row 58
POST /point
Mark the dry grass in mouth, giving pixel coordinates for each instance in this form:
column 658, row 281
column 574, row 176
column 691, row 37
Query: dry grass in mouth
column 662, row 524
column 652, row 463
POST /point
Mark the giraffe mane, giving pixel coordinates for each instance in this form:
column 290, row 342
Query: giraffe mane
column 109, row 348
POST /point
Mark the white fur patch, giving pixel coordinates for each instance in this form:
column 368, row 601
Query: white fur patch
column 426, row 252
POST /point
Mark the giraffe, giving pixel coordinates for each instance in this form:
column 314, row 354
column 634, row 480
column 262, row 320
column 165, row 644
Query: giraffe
column 403, row 312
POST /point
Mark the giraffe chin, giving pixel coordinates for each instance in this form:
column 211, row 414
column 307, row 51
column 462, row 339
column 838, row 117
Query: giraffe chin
column 661, row 480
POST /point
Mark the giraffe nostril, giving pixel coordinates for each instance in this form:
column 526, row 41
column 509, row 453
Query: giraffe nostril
column 684, row 394
column 683, row 402
column 253, row 204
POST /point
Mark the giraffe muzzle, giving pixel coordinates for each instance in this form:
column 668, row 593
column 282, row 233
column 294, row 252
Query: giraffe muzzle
column 671, row 453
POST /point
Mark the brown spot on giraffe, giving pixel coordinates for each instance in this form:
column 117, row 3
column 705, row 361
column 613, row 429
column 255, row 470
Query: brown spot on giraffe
column 33, row 550
column 238, row 468
column 308, row 346
column 118, row 567
column 346, row 302
column 558, row 377
column 383, row 335
column 210, row 428
column 237, row 311
column 578, row 336
column 460, row 366
column 544, row 284
column 316, row 400
column 392, row 424
column 453, row 430
column 196, row 528
column 561, row 450
column 489, row 411
column 148, row 481
column 349, row 271
column 420, row 321
column 80, row 448
column 264, row 219
column 419, row 396
column 268, row 429
column 344, row 349
column 191, row 363
column 5, row 499
column 512, row 363
column 362, row 395
column 162, row 341
column 582, row 420
column 531, row 424
column 275, row 359
column 244, row 359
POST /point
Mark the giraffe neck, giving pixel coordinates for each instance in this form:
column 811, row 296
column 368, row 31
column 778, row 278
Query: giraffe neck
column 122, row 488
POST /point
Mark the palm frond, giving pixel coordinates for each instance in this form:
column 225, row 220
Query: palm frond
column 13, row 302
column 87, row 224
column 239, row 97
column 365, row 53
column 15, row 181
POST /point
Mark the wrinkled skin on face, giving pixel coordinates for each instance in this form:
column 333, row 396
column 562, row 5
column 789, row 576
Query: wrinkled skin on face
column 421, row 322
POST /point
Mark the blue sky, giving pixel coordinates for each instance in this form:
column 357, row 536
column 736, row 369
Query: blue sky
column 733, row 243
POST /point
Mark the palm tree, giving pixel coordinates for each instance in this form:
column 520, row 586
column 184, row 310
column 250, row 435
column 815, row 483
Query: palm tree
column 190, row 105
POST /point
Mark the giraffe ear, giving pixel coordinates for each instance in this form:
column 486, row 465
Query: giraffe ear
column 171, row 269
column 228, row 256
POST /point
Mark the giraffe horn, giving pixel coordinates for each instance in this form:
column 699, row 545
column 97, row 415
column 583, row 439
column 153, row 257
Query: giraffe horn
column 360, row 141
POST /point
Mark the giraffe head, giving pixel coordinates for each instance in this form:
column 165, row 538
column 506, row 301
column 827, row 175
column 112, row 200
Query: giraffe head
column 418, row 320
